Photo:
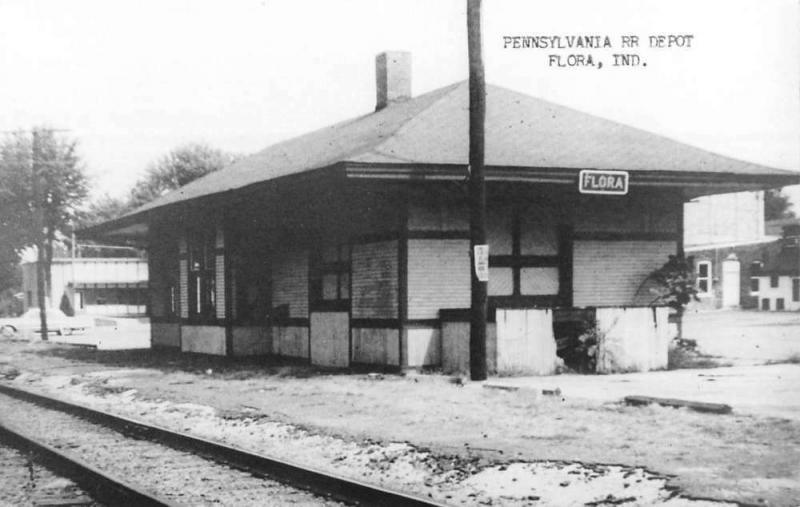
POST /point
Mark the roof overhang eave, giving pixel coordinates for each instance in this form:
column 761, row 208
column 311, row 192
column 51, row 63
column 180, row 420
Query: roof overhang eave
column 126, row 229
column 696, row 181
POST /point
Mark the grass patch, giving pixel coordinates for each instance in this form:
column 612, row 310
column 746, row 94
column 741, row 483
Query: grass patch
column 681, row 358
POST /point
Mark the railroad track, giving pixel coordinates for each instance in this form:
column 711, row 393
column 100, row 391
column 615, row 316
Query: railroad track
column 23, row 482
column 120, row 461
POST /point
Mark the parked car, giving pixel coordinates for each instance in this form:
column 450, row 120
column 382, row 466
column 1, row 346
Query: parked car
column 57, row 322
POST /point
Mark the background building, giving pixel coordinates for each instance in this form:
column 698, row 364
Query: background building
column 740, row 260
column 93, row 285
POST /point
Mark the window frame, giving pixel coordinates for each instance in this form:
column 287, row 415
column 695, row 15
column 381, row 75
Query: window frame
column 708, row 278
column 757, row 290
column 516, row 261
column 201, row 282
column 340, row 267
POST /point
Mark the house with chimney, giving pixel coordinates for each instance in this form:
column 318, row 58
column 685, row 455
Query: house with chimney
column 350, row 244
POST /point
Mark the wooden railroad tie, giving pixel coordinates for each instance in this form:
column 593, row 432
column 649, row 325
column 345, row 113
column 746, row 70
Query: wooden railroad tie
column 699, row 406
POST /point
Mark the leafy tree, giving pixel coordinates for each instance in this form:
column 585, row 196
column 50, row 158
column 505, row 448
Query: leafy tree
column 174, row 170
column 103, row 209
column 777, row 205
column 42, row 185
column 179, row 167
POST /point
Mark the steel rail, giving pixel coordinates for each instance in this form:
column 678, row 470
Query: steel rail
column 319, row 482
column 100, row 485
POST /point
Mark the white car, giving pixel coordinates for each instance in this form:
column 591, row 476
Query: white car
column 57, row 322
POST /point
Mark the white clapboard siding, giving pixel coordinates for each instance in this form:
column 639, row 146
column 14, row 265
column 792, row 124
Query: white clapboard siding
column 438, row 276
column 290, row 282
column 375, row 280
column 219, row 284
column 525, row 342
column 632, row 339
column 183, row 267
column 609, row 273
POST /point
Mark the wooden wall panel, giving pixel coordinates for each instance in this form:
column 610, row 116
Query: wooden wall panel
column 183, row 278
column 437, row 213
column 438, row 276
column 290, row 282
column 219, row 285
column 609, row 273
column 183, row 267
column 375, row 276
column 376, row 346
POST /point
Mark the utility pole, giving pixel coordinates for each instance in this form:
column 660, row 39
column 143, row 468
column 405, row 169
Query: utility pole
column 477, row 195
column 41, row 285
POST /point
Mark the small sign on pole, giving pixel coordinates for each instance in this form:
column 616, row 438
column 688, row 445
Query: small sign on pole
column 592, row 181
column 481, row 256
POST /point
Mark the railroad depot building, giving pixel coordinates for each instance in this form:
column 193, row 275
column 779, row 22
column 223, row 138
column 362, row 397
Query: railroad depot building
column 350, row 244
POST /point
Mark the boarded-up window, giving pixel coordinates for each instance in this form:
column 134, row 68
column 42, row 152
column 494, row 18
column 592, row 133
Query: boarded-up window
column 375, row 280
column 539, row 281
column 538, row 234
column 610, row 273
column 438, row 276
column 501, row 281
column 290, row 282
column 499, row 230
column 530, row 256
column 539, row 239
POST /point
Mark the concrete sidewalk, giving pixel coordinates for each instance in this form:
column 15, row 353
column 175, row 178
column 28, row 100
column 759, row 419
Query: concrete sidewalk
column 745, row 337
column 112, row 333
column 770, row 390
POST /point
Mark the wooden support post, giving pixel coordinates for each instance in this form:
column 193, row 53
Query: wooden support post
column 477, row 190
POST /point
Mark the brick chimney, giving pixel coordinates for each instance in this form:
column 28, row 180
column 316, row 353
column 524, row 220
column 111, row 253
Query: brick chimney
column 392, row 77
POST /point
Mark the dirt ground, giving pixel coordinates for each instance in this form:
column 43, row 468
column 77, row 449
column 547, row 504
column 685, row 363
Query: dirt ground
column 469, row 444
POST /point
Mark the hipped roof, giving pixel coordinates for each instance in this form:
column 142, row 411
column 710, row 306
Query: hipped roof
column 432, row 130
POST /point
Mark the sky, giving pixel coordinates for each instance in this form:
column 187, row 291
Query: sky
column 133, row 80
